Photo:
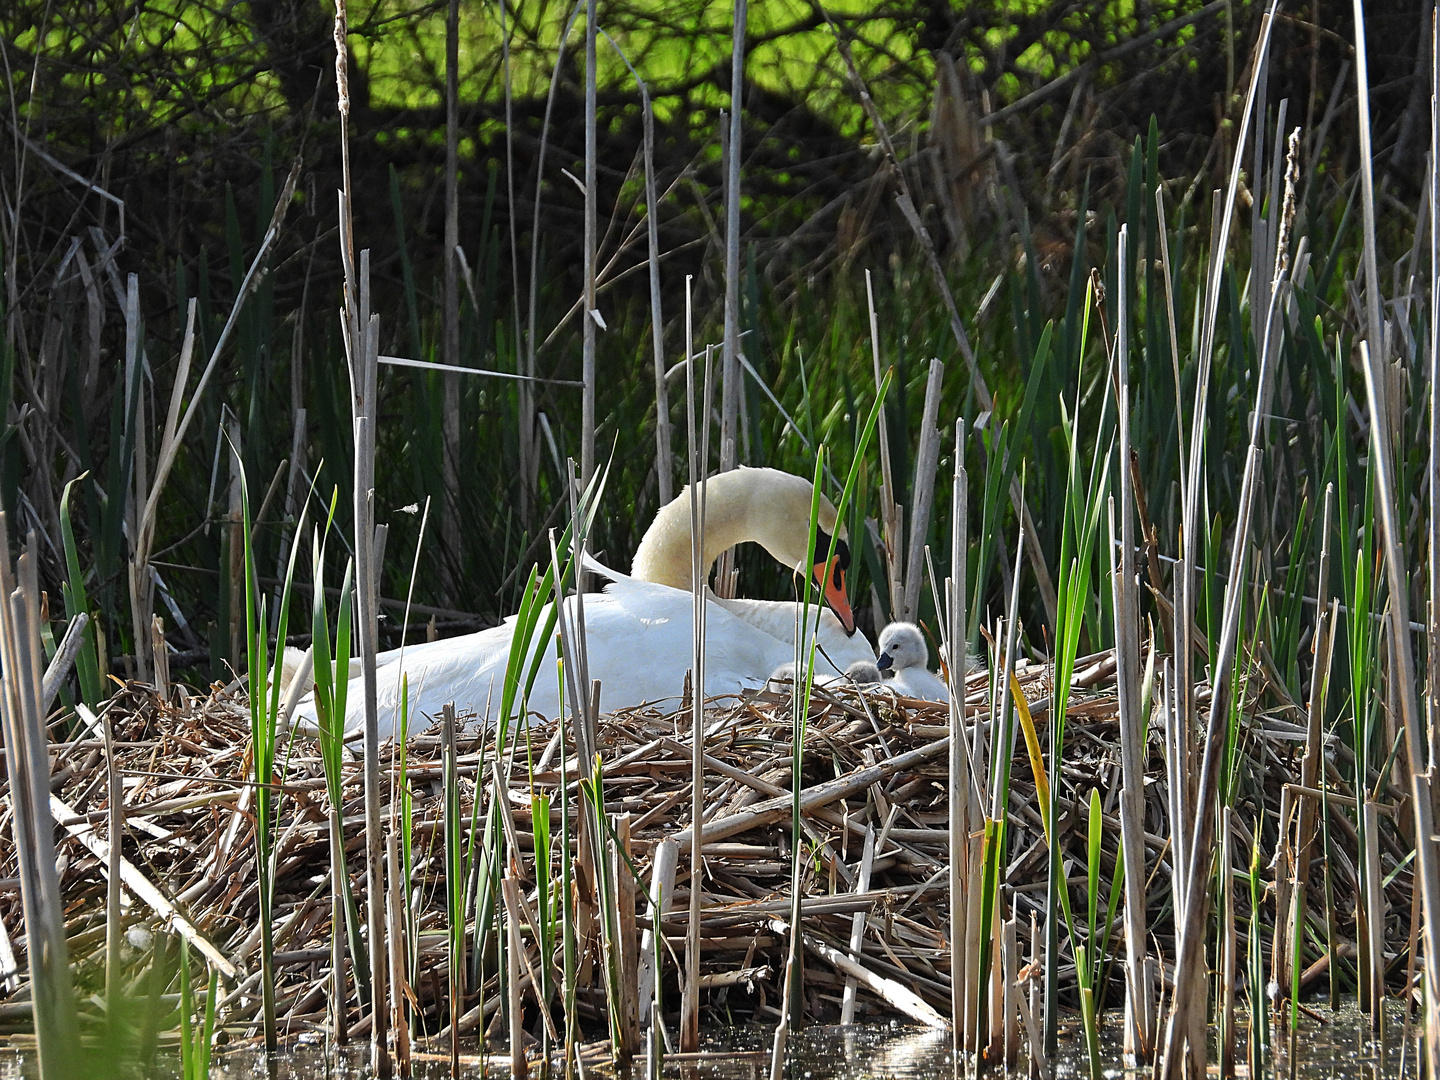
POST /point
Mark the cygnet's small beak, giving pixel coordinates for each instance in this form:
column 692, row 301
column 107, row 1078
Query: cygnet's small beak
column 832, row 580
column 886, row 662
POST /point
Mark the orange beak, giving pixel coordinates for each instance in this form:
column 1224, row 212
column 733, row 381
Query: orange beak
column 832, row 581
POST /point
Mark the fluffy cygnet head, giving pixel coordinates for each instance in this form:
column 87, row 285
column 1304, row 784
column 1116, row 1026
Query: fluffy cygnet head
column 784, row 673
column 902, row 646
column 862, row 672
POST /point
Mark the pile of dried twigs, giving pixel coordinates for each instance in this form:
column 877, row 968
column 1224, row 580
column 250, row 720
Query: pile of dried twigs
column 875, row 888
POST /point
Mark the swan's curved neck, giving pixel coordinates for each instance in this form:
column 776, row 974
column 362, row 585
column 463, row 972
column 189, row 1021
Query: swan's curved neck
column 765, row 506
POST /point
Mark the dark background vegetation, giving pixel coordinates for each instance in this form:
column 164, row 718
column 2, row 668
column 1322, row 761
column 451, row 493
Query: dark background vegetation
column 151, row 138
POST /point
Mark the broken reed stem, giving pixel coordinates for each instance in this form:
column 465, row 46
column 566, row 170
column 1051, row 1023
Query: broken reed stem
column 63, row 660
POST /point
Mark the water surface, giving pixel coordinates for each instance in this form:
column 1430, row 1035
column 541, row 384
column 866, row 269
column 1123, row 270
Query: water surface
column 1327, row 1046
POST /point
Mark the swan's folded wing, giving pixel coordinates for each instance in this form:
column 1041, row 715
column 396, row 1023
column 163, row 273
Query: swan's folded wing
column 778, row 619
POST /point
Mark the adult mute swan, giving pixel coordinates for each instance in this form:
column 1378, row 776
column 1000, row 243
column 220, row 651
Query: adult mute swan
column 638, row 631
column 903, row 658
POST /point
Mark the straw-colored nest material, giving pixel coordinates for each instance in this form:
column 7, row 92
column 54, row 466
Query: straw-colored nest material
column 189, row 832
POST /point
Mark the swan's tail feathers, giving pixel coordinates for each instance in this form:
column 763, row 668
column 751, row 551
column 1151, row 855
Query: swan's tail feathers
column 295, row 664
column 595, row 566
column 297, row 668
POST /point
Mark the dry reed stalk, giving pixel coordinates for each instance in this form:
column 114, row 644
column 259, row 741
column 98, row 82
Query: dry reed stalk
column 1430, row 881
column 627, row 940
column 1419, row 758
column 28, row 766
column 528, row 434
column 665, row 860
column 450, row 310
column 160, row 658
column 890, row 511
column 922, row 490
column 339, row 1010
column 1225, row 976
column 366, row 574
column 360, row 331
column 1010, row 968
column 455, row 953
column 664, row 466
column 1322, row 647
column 958, row 773
column 1184, row 1049
column 730, row 346
column 395, row 930
column 142, row 594
column 63, row 660
column 1285, row 882
column 857, row 925
column 519, row 1063
column 235, row 537
column 1139, row 994
column 588, row 316
column 115, row 797
column 1432, row 466
column 1372, row 925
column 690, row 999
column 526, row 401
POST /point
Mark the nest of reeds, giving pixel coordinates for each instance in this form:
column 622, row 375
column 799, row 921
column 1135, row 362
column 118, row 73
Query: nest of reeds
column 874, row 855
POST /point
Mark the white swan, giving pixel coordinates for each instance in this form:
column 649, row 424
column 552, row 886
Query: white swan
column 638, row 631
column 903, row 656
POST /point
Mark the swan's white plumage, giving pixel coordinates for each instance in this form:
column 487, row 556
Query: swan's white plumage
column 639, row 648
column 902, row 648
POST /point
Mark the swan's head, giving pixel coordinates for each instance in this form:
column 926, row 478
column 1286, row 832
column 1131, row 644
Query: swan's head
column 862, row 672
column 777, row 517
column 902, row 646
column 763, row 506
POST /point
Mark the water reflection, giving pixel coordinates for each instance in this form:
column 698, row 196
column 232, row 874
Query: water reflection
column 1326, row 1046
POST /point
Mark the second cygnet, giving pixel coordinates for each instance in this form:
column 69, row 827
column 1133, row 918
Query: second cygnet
column 904, row 658
column 859, row 673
